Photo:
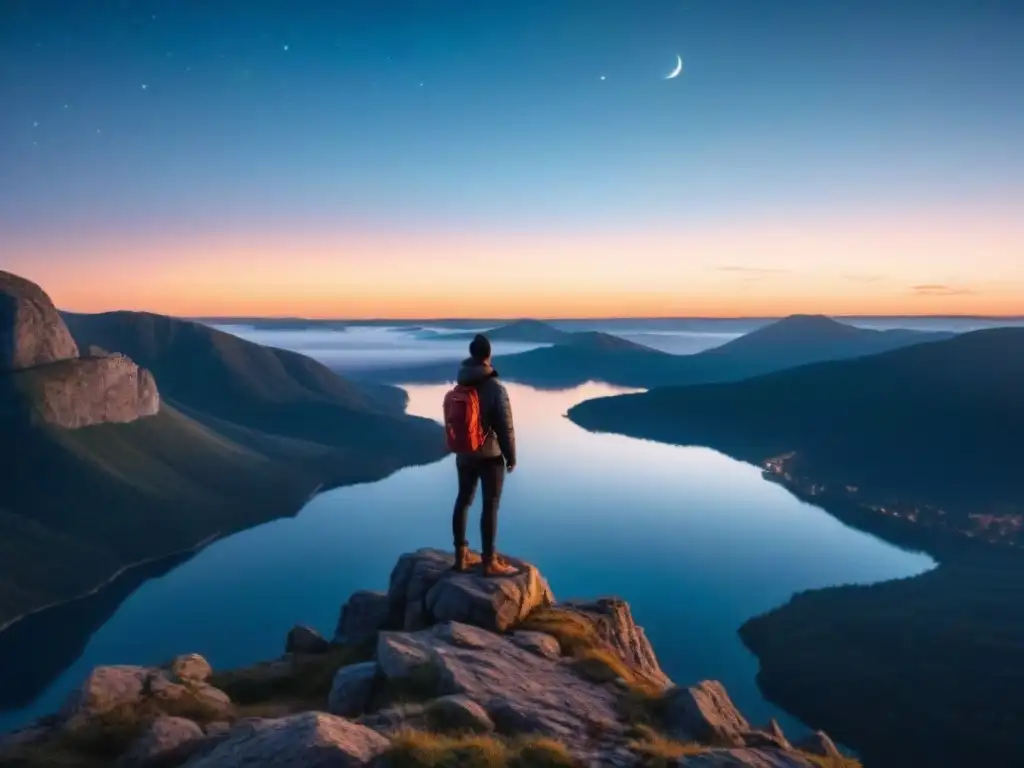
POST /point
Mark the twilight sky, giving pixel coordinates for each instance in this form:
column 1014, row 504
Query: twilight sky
column 420, row 158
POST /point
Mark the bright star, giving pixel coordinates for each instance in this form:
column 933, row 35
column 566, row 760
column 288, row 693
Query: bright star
column 603, row 77
column 285, row 46
column 144, row 86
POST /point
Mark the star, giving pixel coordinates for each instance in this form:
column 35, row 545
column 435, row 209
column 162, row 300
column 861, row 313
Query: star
column 65, row 106
column 35, row 124
column 145, row 87
column 603, row 77
column 285, row 47
column 98, row 131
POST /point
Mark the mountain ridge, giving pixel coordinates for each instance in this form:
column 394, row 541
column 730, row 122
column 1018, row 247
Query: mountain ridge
column 793, row 341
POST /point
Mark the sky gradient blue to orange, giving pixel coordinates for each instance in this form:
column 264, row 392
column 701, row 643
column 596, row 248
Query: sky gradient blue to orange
column 458, row 157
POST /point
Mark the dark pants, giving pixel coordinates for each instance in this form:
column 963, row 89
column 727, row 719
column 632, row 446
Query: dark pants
column 490, row 473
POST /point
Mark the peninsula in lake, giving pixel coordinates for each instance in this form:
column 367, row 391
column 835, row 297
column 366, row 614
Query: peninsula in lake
column 922, row 447
column 596, row 356
column 164, row 433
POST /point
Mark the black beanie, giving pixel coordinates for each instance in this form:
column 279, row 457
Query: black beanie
column 480, row 348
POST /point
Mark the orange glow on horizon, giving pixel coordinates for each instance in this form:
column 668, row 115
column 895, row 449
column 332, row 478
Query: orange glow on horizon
column 962, row 264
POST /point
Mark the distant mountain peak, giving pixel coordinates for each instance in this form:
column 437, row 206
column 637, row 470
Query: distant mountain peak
column 801, row 327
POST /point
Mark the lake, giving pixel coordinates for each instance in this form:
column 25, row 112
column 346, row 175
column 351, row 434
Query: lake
column 695, row 541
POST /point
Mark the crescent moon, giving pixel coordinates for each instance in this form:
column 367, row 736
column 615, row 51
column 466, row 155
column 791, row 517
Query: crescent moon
column 675, row 72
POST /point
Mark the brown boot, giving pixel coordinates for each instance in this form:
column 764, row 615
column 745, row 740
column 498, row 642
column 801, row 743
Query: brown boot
column 464, row 559
column 495, row 566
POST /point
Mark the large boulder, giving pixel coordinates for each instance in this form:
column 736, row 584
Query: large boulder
column 521, row 691
column 425, row 591
column 189, row 667
column 141, row 688
column 163, row 738
column 32, row 332
column 308, row 740
column 362, row 617
column 87, row 391
column 705, row 713
column 105, row 689
column 352, row 689
column 613, row 621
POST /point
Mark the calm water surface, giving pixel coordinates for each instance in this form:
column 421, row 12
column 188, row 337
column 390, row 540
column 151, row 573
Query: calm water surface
column 697, row 542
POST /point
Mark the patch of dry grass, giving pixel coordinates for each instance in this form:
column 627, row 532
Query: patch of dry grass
column 574, row 631
column 579, row 640
column 657, row 751
column 833, row 762
column 419, row 749
column 300, row 677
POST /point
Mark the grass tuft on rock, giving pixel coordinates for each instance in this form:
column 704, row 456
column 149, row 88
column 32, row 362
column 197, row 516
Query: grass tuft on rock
column 601, row 666
column 420, row 749
column 298, row 678
column 574, row 631
column 832, row 762
column 657, row 751
column 578, row 639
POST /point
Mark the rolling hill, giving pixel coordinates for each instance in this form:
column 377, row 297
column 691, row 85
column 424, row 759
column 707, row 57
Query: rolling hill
column 595, row 356
column 244, row 434
column 937, row 421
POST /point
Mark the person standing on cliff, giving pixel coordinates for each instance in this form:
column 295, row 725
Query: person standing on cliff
column 478, row 423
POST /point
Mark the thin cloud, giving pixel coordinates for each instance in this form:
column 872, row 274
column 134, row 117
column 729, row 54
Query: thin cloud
column 752, row 270
column 939, row 289
column 864, row 278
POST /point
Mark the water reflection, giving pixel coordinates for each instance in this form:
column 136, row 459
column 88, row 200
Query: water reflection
column 697, row 542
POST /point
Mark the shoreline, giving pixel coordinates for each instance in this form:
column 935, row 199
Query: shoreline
column 192, row 550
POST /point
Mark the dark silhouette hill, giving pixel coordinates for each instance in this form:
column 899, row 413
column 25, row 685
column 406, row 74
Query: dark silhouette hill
column 240, row 434
column 597, row 356
column 938, row 420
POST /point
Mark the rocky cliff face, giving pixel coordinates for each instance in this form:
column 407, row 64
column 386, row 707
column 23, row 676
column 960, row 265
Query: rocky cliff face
column 41, row 368
column 31, row 330
column 443, row 669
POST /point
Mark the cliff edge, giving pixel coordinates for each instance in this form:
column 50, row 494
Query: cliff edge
column 443, row 669
column 42, row 371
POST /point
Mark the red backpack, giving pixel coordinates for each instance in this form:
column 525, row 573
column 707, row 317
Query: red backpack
column 462, row 425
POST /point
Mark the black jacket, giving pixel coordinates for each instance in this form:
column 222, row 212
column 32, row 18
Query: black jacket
column 495, row 412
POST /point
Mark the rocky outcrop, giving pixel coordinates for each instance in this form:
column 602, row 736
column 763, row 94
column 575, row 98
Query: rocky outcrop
column 424, row 591
column 613, row 620
column 352, row 689
column 88, row 391
column 362, row 617
column 143, row 689
column 704, row 712
column 41, row 370
column 162, row 738
column 303, row 639
column 307, row 740
column 591, row 683
column 32, row 331
column 520, row 691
